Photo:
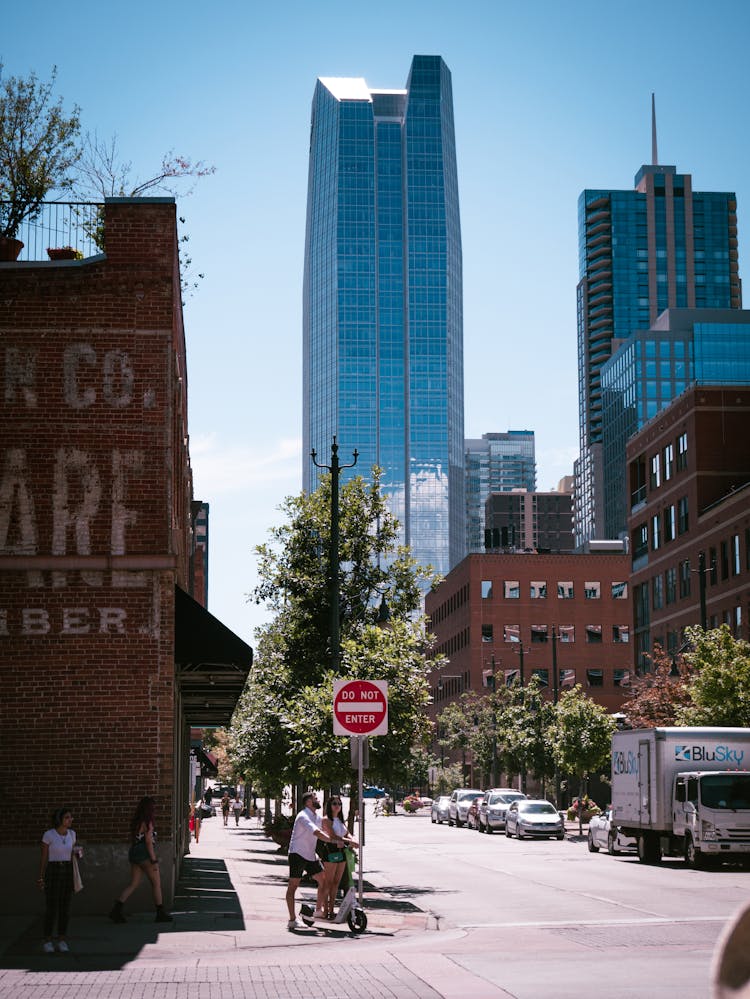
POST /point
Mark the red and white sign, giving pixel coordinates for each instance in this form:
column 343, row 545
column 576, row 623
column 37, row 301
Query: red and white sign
column 360, row 707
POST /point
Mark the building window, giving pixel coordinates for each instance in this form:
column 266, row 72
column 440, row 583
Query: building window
column 668, row 461
column 543, row 675
column 621, row 678
column 655, row 533
column 724, row 560
column 487, row 633
column 670, row 585
column 640, row 606
column 620, row 634
column 736, row 564
column 682, row 455
column 565, row 590
column 712, row 566
column 566, row 633
column 512, row 589
column 669, row 524
column 747, row 547
column 640, row 541
column 657, row 592
column 654, row 479
column 619, row 591
column 738, row 621
column 592, row 590
column 511, row 633
column 538, row 590
column 594, row 634
column 486, row 589
column 685, row 578
column 567, row 679
column 595, row 677
column 539, row 633
column 683, row 521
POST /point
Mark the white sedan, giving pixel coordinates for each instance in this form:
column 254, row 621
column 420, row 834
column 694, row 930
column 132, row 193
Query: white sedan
column 533, row 818
column 604, row 835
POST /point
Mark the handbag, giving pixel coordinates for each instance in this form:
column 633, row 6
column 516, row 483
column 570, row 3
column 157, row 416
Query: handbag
column 335, row 856
column 77, row 883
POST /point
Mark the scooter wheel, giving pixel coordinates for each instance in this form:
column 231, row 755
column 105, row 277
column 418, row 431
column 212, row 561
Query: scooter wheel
column 357, row 921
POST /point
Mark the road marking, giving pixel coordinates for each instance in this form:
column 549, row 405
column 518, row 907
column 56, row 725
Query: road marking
column 601, row 922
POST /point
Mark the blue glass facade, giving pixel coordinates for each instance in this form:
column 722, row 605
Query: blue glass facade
column 653, row 367
column 659, row 246
column 495, row 463
column 383, row 321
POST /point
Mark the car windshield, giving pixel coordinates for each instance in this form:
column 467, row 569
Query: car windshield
column 463, row 795
column 730, row 791
column 507, row 798
column 537, row 808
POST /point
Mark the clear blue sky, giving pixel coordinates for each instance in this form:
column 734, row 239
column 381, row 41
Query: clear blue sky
column 549, row 98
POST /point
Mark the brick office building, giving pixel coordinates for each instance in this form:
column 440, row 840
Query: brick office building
column 490, row 607
column 689, row 523
column 106, row 659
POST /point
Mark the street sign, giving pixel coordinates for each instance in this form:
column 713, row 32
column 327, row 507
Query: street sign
column 360, row 707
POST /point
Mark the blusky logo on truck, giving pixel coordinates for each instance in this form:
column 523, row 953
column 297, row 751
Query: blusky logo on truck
column 702, row 754
column 625, row 763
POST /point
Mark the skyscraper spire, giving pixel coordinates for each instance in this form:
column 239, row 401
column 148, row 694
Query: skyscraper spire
column 654, row 151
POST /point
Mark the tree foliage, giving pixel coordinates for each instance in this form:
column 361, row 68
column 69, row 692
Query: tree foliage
column 39, row 147
column 283, row 728
column 719, row 685
column 656, row 697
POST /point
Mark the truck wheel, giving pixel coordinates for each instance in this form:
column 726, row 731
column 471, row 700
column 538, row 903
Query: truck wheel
column 649, row 850
column 693, row 857
column 593, row 848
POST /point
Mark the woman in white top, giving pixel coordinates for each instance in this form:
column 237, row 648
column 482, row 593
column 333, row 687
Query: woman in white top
column 334, row 860
column 236, row 806
column 56, row 879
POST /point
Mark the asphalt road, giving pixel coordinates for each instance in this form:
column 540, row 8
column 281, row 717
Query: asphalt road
column 548, row 918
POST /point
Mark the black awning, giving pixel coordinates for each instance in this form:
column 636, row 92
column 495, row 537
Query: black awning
column 212, row 664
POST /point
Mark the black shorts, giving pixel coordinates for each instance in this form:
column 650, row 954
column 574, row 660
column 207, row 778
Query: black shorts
column 298, row 866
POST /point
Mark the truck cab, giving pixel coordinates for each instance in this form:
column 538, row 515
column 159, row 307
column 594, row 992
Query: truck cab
column 711, row 814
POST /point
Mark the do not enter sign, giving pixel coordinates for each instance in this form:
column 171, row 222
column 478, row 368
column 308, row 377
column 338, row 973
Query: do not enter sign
column 360, row 707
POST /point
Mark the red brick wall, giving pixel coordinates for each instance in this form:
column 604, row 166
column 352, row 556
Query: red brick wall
column 94, row 531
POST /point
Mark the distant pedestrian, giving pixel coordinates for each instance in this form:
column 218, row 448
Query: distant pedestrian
column 56, row 879
column 196, row 814
column 302, row 856
column 208, row 796
column 225, row 801
column 236, row 806
column 143, row 860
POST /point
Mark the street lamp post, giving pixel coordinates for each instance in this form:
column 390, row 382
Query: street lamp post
column 555, row 698
column 334, row 468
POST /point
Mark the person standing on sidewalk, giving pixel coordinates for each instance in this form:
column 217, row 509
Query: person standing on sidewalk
column 302, row 856
column 56, row 879
column 334, row 859
column 236, row 806
column 225, row 807
column 143, row 860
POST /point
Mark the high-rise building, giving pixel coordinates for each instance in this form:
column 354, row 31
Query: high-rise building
column 383, row 313
column 495, row 463
column 662, row 245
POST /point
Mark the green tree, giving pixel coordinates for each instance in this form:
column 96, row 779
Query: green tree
column 455, row 727
column 523, row 732
column 719, row 687
column 39, row 147
column 283, row 728
column 581, row 737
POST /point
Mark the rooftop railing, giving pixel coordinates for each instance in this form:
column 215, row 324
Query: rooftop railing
column 73, row 225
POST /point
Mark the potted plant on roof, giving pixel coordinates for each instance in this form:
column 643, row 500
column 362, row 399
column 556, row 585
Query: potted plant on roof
column 38, row 150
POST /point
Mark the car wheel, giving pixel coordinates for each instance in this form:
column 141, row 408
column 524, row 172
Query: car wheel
column 562, row 836
column 488, row 829
column 593, row 848
column 450, row 822
column 518, row 833
column 459, row 823
column 507, row 830
column 612, row 844
column 433, row 820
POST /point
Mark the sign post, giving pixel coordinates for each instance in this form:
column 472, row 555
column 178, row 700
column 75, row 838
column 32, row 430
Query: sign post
column 360, row 708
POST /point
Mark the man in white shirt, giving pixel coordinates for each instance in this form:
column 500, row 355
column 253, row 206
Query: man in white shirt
column 302, row 856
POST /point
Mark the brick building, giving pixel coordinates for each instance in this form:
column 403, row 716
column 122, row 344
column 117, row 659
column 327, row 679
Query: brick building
column 106, row 659
column 575, row 606
column 689, row 522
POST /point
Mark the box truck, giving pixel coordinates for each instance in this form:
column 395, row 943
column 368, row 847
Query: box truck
column 683, row 792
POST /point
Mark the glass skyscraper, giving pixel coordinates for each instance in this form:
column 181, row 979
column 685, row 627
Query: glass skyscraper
column 383, row 312
column 662, row 245
column 495, row 463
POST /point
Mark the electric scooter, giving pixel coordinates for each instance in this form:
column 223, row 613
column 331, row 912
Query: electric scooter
column 350, row 911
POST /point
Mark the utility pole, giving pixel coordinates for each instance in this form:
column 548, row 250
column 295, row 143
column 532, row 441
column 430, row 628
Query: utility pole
column 334, row 468
column 555, row 696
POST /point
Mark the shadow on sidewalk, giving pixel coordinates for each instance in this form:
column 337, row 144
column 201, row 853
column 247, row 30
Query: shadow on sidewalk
column 205, row 901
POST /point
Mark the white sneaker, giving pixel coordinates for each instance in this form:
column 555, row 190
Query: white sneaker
column 48, row 947
column 291, row 925
column 63, row 947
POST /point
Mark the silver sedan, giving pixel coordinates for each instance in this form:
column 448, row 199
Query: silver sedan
column 534, row 818
column 440, row 811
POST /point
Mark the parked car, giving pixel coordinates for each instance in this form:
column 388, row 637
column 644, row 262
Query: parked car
column 370, row 791
column 494, row 806
column 472, row 813
column 532, row 817
column 440, row 811
column 604, row 835
column 461, row 798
